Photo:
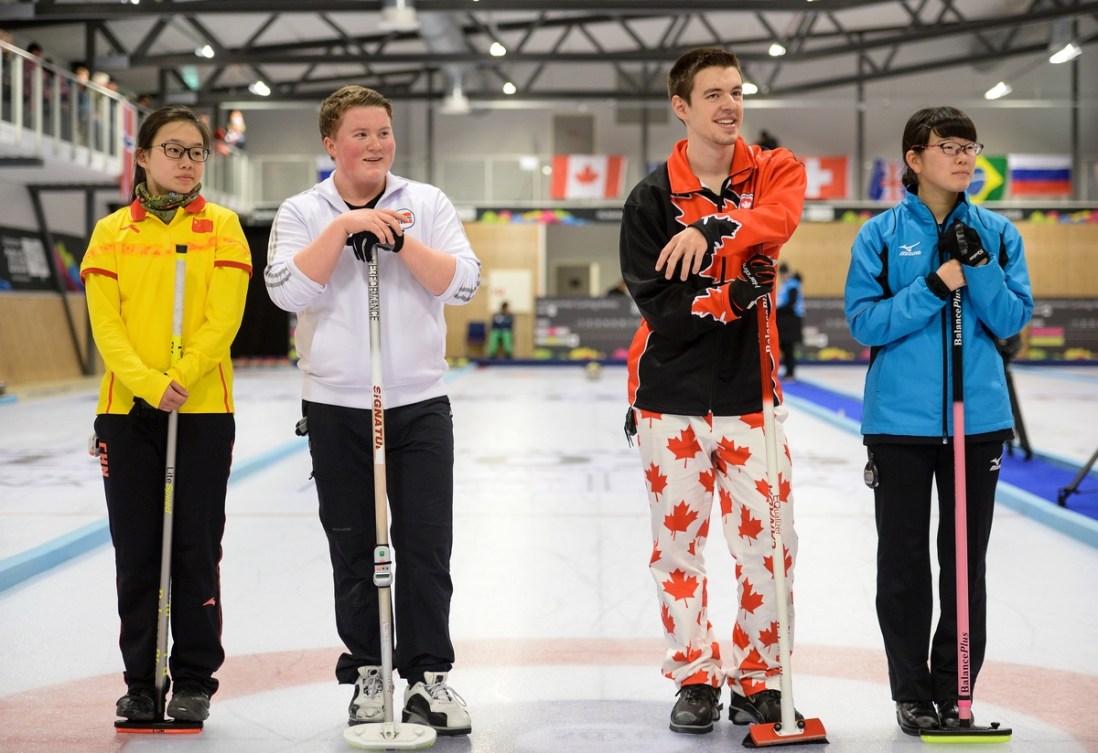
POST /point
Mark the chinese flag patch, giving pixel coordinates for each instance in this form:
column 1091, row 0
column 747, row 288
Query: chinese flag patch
column 202, row 226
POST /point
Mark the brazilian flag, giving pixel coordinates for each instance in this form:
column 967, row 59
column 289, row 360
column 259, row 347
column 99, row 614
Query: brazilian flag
column 989, row 180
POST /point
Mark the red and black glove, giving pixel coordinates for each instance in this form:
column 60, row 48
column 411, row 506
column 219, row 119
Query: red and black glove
column 755, row 280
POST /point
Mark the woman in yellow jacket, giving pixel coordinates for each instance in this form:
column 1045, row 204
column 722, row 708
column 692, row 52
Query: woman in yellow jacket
column 129, row 275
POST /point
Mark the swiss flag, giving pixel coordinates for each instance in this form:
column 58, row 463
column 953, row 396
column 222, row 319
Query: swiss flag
column 587, row 176
column 827, row 177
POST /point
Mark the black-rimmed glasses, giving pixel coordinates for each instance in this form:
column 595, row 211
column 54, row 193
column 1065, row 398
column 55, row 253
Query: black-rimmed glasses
column 176, row 152
column 952, row 148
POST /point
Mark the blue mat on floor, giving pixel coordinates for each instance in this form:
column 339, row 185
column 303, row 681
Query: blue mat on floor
column 1041, row 476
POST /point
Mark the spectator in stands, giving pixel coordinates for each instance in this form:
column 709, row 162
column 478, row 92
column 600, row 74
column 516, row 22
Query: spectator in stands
column 235, row 132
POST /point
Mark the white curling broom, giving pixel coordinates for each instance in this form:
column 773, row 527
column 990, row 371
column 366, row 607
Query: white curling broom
column 790, row 730
column 387, row 734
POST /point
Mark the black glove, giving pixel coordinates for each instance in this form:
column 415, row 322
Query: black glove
column 963, row 244
column 365, row 242
column 755, row 280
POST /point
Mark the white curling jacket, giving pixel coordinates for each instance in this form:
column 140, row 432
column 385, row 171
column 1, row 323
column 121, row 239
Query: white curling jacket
column 332, row 335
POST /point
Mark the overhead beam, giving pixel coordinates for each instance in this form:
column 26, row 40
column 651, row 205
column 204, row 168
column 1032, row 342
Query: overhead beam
column 92, row 11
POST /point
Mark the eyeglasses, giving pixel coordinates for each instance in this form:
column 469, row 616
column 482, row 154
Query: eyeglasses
column 952, row 148
column 176, row 152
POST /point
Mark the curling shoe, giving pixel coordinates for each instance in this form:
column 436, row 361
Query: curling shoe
column 949, row 714
column 138, row 705
column 189, row 704
column 368, row 702
column 916, row 716
column 764, row 707
column 435, row 704
column 699, row 705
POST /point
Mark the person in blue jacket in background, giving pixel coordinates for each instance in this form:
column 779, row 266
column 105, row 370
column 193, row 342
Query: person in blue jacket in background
column 904, row 266
column 789, row 307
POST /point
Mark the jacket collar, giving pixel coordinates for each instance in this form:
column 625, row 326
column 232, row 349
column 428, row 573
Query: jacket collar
column 682, row 178
column 138, row 212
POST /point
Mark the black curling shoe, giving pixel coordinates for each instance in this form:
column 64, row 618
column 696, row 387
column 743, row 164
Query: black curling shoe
column 696, row 710
column 916, row 716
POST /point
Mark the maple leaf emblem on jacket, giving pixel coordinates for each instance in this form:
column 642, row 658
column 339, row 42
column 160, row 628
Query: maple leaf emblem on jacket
column 710, row 303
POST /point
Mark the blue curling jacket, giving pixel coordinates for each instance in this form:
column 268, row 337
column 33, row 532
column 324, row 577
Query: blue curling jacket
column 908, row 387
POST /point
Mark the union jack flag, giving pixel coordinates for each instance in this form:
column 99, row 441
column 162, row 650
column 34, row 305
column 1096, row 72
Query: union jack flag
column 885, row 181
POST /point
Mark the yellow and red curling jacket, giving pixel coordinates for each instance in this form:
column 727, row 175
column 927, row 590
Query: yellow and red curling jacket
column 129, row 277
column 692, row 354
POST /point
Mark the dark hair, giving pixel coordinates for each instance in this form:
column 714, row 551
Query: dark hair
column 152, row 123
column 680, row 81
column 944, row 121
column 345, row 98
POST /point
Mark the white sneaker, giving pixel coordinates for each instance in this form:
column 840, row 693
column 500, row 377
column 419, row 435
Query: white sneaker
column 435, row 704
column 368, row 702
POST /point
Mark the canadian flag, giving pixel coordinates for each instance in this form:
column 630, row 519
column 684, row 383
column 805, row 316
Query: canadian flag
column 587, row 176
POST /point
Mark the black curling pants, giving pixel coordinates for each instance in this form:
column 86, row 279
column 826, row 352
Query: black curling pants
column 419, row 464
column 132, row 454
column 905, row 595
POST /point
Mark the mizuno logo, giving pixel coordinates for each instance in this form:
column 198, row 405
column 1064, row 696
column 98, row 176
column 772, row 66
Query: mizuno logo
column 910, row 250
column 996, row 464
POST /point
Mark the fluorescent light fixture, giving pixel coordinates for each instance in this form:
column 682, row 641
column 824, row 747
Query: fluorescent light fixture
column 260, row 89
column 509, row 88
column 529, row 163
column 205, row 51
column 750, row 88
column 776, row 50
column 998, row 91
column 1069, row 51
column 497, row 50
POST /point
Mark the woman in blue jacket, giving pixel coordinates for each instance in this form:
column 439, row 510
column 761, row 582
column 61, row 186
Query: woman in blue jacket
column 904, row 267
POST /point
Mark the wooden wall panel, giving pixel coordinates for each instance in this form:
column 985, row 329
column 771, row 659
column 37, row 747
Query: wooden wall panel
column 35, row 341
column 499, row 247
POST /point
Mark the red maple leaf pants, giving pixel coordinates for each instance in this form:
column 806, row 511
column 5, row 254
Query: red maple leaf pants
column 688, row 461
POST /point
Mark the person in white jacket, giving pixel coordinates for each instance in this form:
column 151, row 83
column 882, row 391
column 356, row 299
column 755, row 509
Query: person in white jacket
column 313, row 270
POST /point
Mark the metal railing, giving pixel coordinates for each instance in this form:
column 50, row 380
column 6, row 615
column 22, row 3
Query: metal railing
column 48, row 113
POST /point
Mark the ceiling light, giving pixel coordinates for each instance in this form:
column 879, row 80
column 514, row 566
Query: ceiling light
column 260, row 89
column 776, row 50
column 749, row 88
column 509, row 88
column 1069, row 51
column 1000, row 89
column 455, row 103
column 497, row 50
column 205, row 51
column 398, row 15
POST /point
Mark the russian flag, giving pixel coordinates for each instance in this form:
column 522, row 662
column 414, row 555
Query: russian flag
column 587, row 176
column 1041, row 175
